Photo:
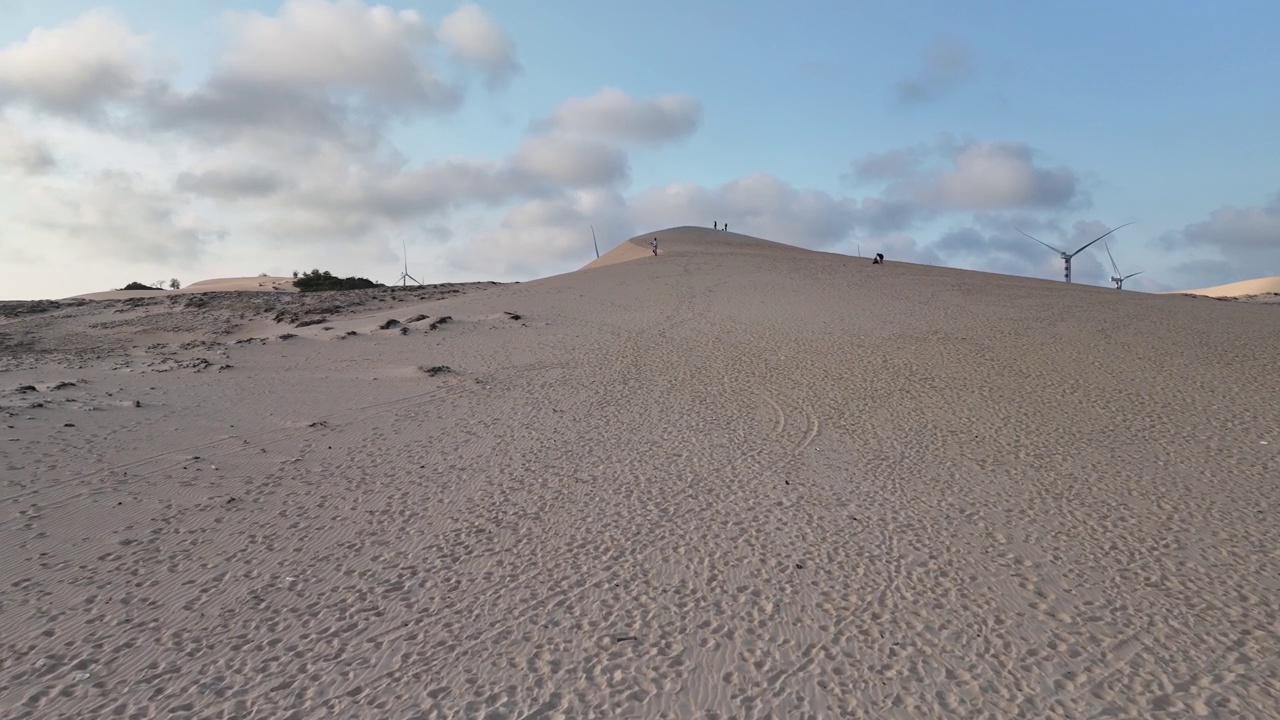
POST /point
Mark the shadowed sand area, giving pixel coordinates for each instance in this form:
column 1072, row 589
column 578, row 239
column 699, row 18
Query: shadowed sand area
column 736, row 480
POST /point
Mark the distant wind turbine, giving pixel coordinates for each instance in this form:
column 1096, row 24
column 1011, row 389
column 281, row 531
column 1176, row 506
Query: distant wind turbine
column 1066, row 256
column 1118, row 279
column 594, row 243
column 405, row 277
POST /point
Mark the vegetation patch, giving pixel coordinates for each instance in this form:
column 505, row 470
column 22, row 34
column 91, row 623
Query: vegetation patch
column 321, row 281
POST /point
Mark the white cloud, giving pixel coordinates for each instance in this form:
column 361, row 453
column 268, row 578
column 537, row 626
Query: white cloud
column 879, row 216
column 549, row 235
column 475, row 38
column 972, row 176
column 1000, row 175
column 21, row 153
column 232, row 183
column 1234, row 243
column 75, row 68
column 116, row 216
column 615, row 115
column 1234, row 229
column 372, row 52
column 758, row 204
column 572, row 162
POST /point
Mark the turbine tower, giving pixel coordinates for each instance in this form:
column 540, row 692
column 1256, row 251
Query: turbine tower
column 594, row 243
column 405, row 277
column 1066, row 256
column 1118, row 279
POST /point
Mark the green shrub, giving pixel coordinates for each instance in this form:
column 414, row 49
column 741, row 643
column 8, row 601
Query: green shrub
column 316, row 281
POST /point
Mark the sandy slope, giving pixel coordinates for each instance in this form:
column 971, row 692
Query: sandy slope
column 723, row 482
column 1258, row 286
column 245, row 284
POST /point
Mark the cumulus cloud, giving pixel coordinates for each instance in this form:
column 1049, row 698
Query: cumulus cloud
column 759, row 204
column 947, row 63
column 973, row 176
column 549, row 235
column 474, row 38
column 227, row 109
column 879, row 216
column 1233, row 229
column 345, row 204
column 371, row 52
column 613, row 114
column 22, row 154
column 231, row 184
column 119, row 216
column 75, row 68
column 572, row 162
column 1234, row 243
column 1000, row 175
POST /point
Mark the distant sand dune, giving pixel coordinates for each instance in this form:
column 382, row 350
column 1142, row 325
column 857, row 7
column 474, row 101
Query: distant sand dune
column 690, row 240
column 1259, row 286
column 244, row 284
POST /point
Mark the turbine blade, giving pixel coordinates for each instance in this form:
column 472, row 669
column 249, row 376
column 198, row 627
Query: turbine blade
column 1042, row 242
column 594, row 244
column 1126, row 277
column 1098, row 238
column 1113, row 260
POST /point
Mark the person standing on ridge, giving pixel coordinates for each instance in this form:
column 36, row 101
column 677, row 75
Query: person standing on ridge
column 655, row 247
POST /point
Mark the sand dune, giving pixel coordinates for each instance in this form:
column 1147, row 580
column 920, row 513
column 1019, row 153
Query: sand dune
column 737, row 480
column 1259, row 286
column 244, row 284
column 684, row 241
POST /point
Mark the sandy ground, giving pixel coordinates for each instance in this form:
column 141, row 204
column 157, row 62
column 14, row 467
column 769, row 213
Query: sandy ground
column 735, row 480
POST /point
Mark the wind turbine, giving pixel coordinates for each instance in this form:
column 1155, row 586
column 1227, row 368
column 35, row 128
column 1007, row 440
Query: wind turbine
column 1066, row 256
column 405, row 277
column 1118, row 279
column 593, row 241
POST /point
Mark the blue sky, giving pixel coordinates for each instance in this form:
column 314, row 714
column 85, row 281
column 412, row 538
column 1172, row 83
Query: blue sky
column 804, row 124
